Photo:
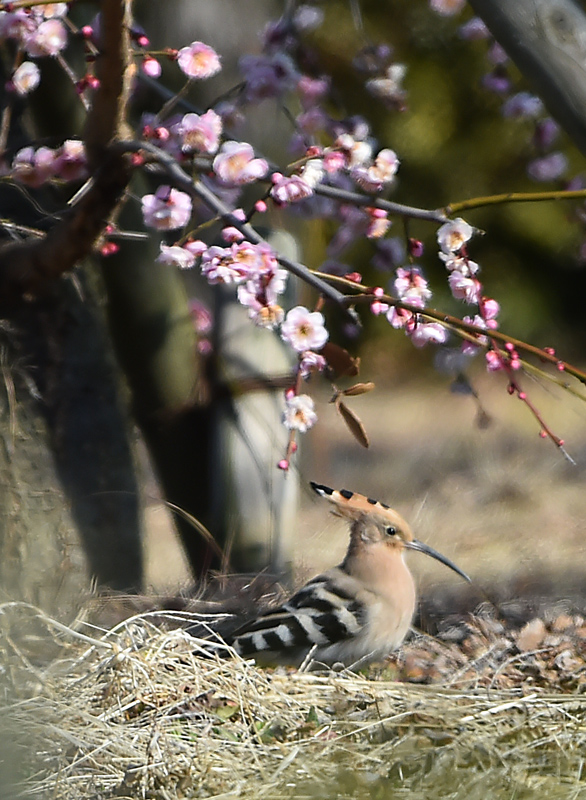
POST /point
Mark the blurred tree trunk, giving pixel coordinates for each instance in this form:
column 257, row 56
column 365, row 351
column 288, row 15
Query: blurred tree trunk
column 547, row 41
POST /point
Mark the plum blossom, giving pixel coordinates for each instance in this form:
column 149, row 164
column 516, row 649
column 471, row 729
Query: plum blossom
column 373, row 178
column 238, row 263
column 411, row 287
column 175, row 255
column 33, row 167
column 259, row 295
column 461, row 264
column 71, row 161
column 311, row 362
column 453, row 235
column 304, row 329
column 548, row 168
column 26, row 78
column 151, row 67
column 235, row 164
column 166, row 209
column 268, row 75
column 299, row 414
column 389, row 88
column 425, row 332
column 522, row 104
column 289, row 190
column 358, row 153
column 198, row 60
column 464, row 288
column 200, row 132
column 48, row 39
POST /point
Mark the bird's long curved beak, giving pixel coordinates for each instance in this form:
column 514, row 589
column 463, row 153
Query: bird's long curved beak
column 425, row 548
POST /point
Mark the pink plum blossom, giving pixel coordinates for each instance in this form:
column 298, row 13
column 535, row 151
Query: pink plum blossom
column 299, row 414
column 176, row 256
column 548, row 168
column 289, row 190
column 238, row 263
column 304, row 329
column 425, row 332
column 26, row 78
column 400, row 317
column 166, row 209
column 235, row 164
column 49, row 39
column 151, row 67
column 464, row 288
column 453, row 235
column 33, row 167
column 411, row 287
column 311, row 362
column 200, row 133
column 522, row 104
column 71, row 161
column 198, row 60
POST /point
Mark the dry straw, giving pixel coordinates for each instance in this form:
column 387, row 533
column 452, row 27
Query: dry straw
column 135, row 712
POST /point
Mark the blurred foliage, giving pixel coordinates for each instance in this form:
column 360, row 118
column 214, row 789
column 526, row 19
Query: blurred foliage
column 454, row 144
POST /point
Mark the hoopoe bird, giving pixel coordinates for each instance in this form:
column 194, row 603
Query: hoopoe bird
column 355, row 613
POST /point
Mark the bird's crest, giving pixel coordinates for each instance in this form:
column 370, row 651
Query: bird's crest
column 357, row 506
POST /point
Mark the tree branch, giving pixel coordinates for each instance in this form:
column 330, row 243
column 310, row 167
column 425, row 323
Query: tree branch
column 28, row 268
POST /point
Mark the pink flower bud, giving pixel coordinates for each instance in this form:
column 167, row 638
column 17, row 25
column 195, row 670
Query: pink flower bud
column 283, row 464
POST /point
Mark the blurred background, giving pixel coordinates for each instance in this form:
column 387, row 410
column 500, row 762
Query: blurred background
column 471, row 474
column 458, row 457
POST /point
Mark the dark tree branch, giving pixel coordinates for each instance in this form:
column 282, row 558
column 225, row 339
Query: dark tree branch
column 28, row 268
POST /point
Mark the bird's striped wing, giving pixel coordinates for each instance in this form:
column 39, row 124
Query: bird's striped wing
column 325, row 611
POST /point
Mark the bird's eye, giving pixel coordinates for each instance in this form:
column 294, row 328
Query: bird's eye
column 391, row 530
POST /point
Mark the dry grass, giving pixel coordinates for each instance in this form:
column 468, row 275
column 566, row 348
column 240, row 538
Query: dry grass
column 133, row 712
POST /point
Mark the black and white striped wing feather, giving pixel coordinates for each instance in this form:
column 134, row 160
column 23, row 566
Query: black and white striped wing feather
column 325, row 612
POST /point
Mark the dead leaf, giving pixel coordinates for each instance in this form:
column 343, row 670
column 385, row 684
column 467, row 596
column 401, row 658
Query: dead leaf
column 358, row 388
column 354, row 424
column 340, row 362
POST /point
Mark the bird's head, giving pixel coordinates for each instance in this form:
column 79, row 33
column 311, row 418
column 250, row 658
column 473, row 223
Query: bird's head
column 374, row 521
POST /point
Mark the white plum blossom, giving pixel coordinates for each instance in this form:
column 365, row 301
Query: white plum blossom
column 304, row 329
column 313, row 172
column 299, row 414
column 198, row 60
column 357, row 152
column 166, row 209
column 26, row 78
column 453, row 235
column 464, row 265
column 389, row 88
column 175, row 255
column 373, row 178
